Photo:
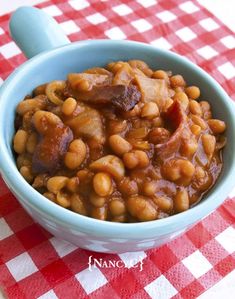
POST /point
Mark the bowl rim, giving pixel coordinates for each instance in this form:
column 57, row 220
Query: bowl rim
column 35, row 200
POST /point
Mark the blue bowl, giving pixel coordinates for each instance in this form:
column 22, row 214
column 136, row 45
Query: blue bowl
column 55, row 64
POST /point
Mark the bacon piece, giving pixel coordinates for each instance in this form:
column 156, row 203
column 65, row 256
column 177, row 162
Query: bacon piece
column 53, row 143
column 120, row 96
column 176, row 117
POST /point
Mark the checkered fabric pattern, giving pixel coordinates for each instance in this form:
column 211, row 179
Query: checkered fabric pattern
column 34, row 264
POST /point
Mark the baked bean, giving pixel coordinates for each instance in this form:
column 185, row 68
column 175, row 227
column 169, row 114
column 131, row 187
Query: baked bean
column 150, row 110
column 128, row 187
column 182, row 98
column 177, row 81
column 75, row 154
column 208, row 142
column 96, row 200
column 195, row 107
column 186, row 167
column 63, row 199
column 110, row 164
column 26, row 173
column 160, row 74
column 31, row 143
column 117, row 207
column 141, row 208
column 43, row 119
column 72, row 184
column 114, row 66
column 196, row 130
column 56, row 183
column 102, row 184
column 193, row 92
column 158, row 135
column 189, row 148
column 172, row 174
column 164, row 203
column 217, row 126
column 181, row 201
column 130, row 160
column 34, row 104
column 150, row 188
column 119, row 145
column 136, row 158
column 99, row 213
column 84, row 81
column 23, row 160
column 68, row 106
column 20, row 140
column 142, row 157
column 199, row 121
column 77, row 205
column 176, row 169
column 84, row 85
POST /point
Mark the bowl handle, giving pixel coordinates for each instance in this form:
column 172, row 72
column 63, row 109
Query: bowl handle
column 34, row 31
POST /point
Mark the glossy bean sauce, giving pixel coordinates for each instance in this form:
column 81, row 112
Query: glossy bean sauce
column 124, row 143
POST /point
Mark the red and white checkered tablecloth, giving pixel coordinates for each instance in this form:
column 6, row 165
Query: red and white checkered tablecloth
column 34, row 264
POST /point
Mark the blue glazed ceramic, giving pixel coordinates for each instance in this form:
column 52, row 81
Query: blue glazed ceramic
column 56, row 63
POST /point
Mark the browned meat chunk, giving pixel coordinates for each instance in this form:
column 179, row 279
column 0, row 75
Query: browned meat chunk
column 176, row 117
column 54, row 141
column 120, row 96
